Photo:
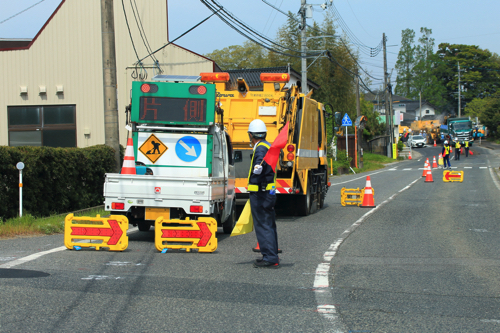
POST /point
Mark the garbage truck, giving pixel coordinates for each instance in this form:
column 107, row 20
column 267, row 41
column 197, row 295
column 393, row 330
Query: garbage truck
column 184, row 166
column 301, row 173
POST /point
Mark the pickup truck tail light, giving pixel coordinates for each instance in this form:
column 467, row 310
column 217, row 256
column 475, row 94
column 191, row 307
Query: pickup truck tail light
column 118, row 205
column 196, row 209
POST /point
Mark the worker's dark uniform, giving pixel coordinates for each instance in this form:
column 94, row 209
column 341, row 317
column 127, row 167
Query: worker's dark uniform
column 262, row 204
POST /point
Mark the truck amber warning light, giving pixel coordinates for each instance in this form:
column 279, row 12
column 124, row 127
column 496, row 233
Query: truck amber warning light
column 214, row 77
column 274, row 77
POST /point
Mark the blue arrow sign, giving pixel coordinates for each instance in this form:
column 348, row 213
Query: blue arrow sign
column 188, row 148
column 346, row 121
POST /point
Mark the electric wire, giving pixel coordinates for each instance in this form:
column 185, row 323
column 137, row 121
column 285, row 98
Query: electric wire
column 135, row 74
column 249, row 33
column 22, row 11
column 180, row 36
column 142, row 32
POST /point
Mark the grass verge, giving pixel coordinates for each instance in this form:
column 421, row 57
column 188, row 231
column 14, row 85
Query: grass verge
column 370, row 162
column 28, row 225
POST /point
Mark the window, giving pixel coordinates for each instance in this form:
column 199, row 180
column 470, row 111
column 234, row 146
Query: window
column 50, row 126
column 427, row 111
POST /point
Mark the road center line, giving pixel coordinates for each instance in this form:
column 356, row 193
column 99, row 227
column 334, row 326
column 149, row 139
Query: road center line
column 322, row 291
column 35, row 256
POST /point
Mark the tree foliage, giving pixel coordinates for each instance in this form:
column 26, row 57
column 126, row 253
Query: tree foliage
column 479, row 75
column 487, row 110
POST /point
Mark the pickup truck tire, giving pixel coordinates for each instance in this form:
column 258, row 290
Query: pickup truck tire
column 144, row 226
column 228, row 226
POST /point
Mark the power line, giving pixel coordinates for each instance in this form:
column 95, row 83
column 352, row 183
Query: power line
column 22, row 11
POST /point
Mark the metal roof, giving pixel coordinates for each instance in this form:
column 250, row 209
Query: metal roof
column 252, row 76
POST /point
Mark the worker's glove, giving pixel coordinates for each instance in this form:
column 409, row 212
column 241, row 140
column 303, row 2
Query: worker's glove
column 257, row 169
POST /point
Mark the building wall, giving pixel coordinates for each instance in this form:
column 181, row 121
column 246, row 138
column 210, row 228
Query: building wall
column 68, row 52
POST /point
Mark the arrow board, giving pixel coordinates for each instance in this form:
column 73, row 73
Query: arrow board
column 346, row 121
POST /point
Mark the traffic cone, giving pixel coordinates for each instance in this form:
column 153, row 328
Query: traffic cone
column 434, row 164
column 434, row 143
column 368, row 201
column 257, row 249
column 409, row 155
column 425, row 168
column 428, row 177
column 128, row 167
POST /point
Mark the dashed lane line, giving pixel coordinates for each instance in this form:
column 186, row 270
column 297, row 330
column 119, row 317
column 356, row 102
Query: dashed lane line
column 322, row 291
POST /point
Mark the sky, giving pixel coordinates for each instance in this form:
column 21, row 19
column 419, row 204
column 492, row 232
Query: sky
column 451, row 21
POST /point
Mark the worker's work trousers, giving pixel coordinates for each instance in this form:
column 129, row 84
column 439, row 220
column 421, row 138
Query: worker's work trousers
column 467, row 152
column 264, row 221
column 446, row 159
column 457, row 154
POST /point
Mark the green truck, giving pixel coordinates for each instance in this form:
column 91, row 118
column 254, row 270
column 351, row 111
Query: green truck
column 458, row 128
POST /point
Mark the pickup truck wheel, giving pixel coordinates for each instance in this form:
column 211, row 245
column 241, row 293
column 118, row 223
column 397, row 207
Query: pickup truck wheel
column 228, row 226
column 144, row 226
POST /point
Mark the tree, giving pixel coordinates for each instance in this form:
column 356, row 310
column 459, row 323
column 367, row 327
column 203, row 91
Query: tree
column 479, row 75
column 488, row 112
column 405, row 63
column 248, row 55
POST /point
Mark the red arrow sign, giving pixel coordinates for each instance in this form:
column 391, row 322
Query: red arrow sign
column 114, row 233
column 449, row 175
column 203, row 234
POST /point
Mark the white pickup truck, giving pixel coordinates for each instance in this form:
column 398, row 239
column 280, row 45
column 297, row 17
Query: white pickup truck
column 185, row 169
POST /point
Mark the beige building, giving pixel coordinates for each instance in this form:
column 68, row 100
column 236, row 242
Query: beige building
column 51, row 87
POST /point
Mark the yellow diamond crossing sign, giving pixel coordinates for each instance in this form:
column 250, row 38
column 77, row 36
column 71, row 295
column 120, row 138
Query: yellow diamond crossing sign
column 153, row 148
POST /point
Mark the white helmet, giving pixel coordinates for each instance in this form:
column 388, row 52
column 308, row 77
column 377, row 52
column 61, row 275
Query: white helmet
column 257, row 126
column 445, row 142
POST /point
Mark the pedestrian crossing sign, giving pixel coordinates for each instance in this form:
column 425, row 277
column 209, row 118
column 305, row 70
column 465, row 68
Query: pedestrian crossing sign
column 346, row 121
column 153, row 148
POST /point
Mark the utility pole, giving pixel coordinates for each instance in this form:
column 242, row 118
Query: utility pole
column 420, row 104
column 459, row 92
column 111, row 132
column 386, row 104
column 358, row 113
column 303, row 39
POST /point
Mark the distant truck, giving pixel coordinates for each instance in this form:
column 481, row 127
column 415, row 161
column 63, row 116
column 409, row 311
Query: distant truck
column 458, row 128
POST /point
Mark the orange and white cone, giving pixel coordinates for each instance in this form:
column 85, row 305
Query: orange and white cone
column 425, row 168
column 434, row 143
column 368, row 201
column 128, row 167
column 434, row 164
column 428, row 177
column 409, row 155
column 257, row 248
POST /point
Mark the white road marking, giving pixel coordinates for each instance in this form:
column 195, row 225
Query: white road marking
column 495, row 321
column 35, row 256
column 348, row 181
column 406, row 169
column 483, row 167
column 495, row 178
column 467, row 167
column 322, row 291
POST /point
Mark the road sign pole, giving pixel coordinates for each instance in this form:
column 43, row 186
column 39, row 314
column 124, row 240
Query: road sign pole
column 20, row 167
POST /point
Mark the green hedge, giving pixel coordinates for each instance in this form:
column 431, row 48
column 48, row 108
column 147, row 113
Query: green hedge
column 55, row 180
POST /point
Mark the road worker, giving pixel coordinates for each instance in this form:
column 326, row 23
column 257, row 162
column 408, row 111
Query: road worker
column 466, row 148
column 446, row 154
column 457, row 149
column 261, row 188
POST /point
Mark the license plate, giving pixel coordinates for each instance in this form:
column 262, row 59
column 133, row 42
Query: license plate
column 154, row 213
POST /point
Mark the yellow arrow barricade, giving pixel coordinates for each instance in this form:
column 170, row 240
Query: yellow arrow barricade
column 108, row 232
column 352, row 196
column 196, row 234
column 453, row 176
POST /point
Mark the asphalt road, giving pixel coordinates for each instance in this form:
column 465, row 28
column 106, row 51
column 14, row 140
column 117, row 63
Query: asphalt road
column 424, row 260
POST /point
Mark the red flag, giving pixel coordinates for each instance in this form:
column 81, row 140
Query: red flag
column 279, row 143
